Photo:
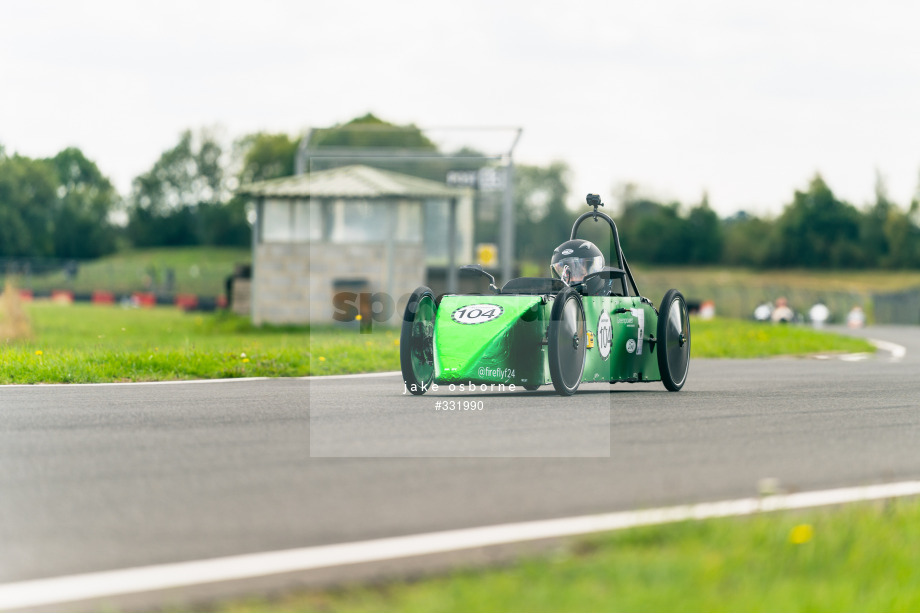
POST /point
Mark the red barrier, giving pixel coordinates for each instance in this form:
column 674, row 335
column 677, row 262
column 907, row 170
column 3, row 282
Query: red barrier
column 222, row 301
column 101, row 297
column 144, row 299
column 26, row 296
column 186, row 301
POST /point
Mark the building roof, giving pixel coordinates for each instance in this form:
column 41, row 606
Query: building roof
column 354, row 181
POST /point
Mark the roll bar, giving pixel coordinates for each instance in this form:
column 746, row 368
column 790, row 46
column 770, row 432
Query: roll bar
column 595, row 201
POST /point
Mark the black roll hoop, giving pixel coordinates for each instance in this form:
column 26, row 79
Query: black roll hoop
column 594, row 200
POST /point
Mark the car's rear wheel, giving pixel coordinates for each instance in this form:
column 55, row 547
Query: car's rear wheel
column 673, row 340
column 567, row 342
column 416, row 342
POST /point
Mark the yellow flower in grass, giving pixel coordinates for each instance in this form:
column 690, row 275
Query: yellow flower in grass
column 801, row 534
column 322, row 359
column 38, row 352
column 245, row 360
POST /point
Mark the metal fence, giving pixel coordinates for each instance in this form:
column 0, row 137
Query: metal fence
column 897, row 307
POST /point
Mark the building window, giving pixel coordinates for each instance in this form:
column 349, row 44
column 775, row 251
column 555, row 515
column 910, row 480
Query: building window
column 289, row 221
column 347, row 221
column 361, row 221
column 308, row 221
column 276, row 221
column 409, row 222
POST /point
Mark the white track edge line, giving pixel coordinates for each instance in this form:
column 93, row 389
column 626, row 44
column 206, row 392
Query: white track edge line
column 897, row 351
column 171, row 382
column 224, row 380
column 66, row 589
column 352, row 375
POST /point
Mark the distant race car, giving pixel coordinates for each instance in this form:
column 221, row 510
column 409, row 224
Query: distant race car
column 586, row 323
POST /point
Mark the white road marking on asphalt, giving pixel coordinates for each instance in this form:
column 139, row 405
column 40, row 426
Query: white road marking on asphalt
column 66, row 589
column 210, row 381
column 897, row 351
column 166, row 382
column 352, row 376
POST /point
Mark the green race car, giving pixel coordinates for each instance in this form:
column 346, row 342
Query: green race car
column 586, row 323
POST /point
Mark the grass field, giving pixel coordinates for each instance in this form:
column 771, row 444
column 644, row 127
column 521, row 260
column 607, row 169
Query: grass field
column 87, row 343
column 858, row 558
column 726, row 338
column 196, row 270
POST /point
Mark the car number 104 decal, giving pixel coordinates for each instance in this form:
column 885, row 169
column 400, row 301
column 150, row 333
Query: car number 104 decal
column 476, row 314
column 604, row 335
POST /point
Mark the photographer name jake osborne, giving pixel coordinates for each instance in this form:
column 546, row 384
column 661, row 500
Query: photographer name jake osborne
column 468, row 387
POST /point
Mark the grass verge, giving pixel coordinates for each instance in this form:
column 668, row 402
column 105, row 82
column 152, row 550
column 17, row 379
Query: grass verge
column 853, row 558
column 87, row 343
column 726, row 338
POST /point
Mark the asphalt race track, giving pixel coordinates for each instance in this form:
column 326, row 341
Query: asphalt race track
column 104, row 477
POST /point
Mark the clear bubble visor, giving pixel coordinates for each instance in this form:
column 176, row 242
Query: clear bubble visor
column 573, row 270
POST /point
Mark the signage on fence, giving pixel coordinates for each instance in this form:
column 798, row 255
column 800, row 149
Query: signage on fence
column 486, row 179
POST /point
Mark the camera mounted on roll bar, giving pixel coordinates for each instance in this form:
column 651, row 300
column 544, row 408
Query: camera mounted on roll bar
column 594, row 200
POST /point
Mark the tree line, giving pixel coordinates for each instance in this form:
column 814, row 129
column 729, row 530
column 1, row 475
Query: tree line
column 816, row 229
column 65, row 207
column 55, row 207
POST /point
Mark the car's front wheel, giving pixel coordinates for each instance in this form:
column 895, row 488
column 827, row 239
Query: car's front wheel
column 567, row 342
column 416, row 342
column 673, row 340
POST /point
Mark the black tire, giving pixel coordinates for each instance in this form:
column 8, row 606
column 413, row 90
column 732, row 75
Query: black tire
column 567, row 342
column 416, row 341
column 531, row 387
column 673, row 340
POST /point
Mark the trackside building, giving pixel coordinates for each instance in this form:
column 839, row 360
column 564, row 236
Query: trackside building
column 352, row 229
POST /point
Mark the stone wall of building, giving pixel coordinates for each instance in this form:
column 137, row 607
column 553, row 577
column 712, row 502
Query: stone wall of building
column 294, row 283
column 240, row 296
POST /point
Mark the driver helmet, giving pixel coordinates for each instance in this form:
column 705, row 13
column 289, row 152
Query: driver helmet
column 575, row 259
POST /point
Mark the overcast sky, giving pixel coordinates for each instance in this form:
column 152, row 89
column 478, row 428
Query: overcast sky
column 746, row 100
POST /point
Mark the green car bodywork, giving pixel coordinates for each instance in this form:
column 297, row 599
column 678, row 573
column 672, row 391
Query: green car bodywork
column 537, row 331
column 512, row 348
